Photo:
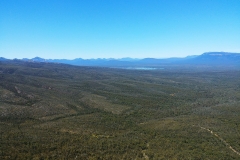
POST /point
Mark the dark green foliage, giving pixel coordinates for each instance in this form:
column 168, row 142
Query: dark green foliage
column 53, row 111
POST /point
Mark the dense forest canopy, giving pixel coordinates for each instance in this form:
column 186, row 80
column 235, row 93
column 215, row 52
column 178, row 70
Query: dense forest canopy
column 57, row 111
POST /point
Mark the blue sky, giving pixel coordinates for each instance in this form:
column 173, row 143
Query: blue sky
column 117, row 28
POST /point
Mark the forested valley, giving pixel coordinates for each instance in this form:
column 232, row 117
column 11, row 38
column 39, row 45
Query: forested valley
column 57, row 111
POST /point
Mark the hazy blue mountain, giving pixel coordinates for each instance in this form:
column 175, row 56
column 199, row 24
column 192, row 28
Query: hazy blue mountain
column 35, row 59
column 129, row 59
column 217, row 58
column 208, row 58
column 191, row 57
column 38, row 59
column 3, row 59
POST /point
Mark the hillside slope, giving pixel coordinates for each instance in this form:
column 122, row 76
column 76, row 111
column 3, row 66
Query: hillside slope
column 56, row 111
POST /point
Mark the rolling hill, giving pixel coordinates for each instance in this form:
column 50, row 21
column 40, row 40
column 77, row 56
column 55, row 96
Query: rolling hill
column 59, row 111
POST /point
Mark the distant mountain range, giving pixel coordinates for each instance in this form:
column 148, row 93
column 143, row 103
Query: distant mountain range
column 217, row 58
column 208, row 58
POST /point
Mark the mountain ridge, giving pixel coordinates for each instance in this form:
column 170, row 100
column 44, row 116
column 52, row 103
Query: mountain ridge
column 207, row 58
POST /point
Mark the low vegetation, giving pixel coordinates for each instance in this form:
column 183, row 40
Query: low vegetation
column 55, row 111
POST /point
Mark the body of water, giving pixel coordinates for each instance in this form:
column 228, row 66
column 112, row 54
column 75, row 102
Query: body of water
column 141, row 68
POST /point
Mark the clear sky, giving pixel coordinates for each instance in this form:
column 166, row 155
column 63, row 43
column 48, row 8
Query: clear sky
column 117, row 28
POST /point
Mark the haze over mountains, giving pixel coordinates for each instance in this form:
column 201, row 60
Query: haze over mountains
column 208, row 58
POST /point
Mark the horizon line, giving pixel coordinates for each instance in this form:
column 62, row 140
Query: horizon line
column 117, row 58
